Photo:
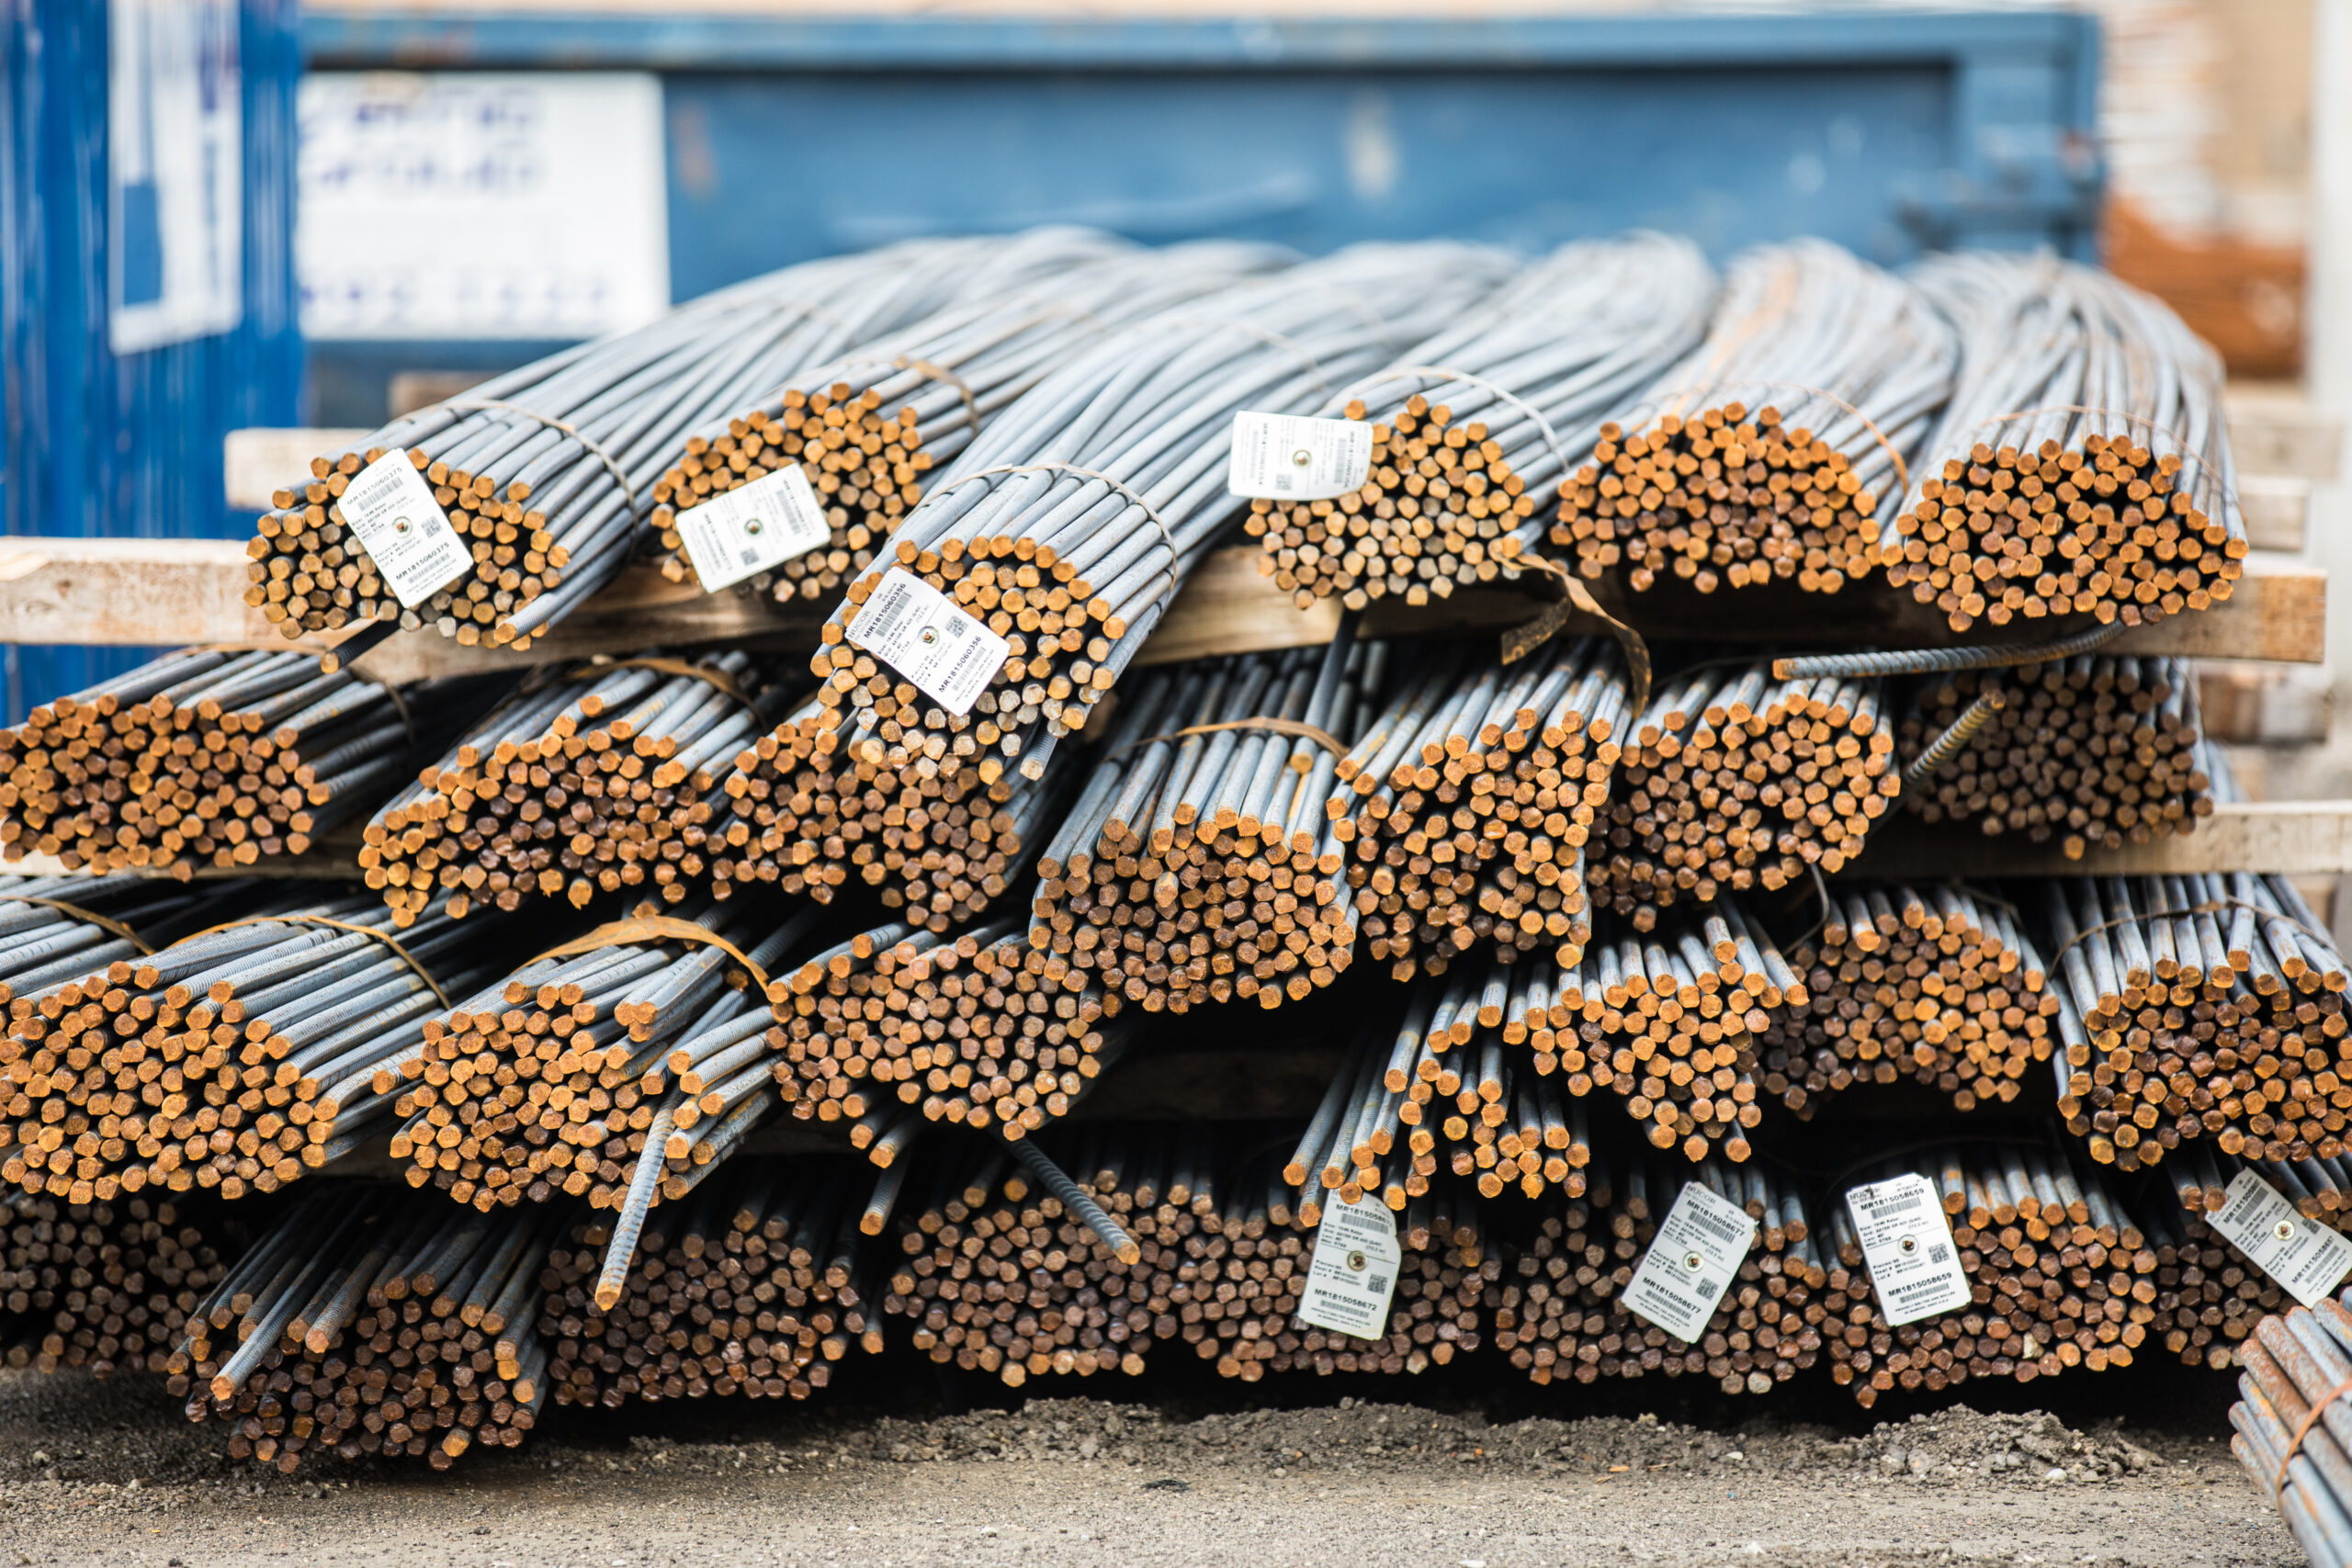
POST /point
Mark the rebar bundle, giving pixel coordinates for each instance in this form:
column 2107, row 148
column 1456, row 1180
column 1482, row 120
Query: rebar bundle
column 239, row 1058
column 1467, row 803
column 867, row 429
column 1672, row 1023
column 1771, row 452
column 2081, row 467
column 546, row 472
column 1436, row 1312
column 1199, row 864
column 1930, row 982
column 806, row 806
column 1733, row 780
column 551, row 1077
column 2093, row 751
column 757, row 1287
column 2293, row 1430
column 1480, row 422
column 1559, row 1310
column 2209, row 1295
column 99, row 1285
column 213, row 757
column 1459, row 1089
column 2059, row 1274
column 2197, row 1007
column 369, row 1320
column 590, row 780
column 1019, row 1269
column 1065, row 528
column 54, row 929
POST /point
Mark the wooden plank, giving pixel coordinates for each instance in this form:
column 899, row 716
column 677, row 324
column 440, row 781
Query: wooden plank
column 259, row 461
column 2265, row 704
column 2281, row 434
column 163, row 593
column 2298, row 837
column 2277, row 510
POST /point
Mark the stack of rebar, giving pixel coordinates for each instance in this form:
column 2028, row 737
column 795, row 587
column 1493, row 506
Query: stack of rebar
column 1063, row 531
column 1465, row 804
column 555, row 1077
column 1477, row 424
column 1560, row 1311
column 1671, row 1024
column 100, row 1285
column 369, row 1320
column 239, row 1058
column 755, row 1288
column 2059, row 1273
column 1456, row 1091
column 867, row 428
column 2294, row 1432
column 1734, row 780
column 547, row 472
column 210, row 757
column 806, row 806
column 982, row 1030
column 55, row 929
column 2091, row 751
column 1934, row 983
column 2081, row 467
column 1199, row 864
column 2197, row 1007
column 1771, row 452
column 2209, row 1296
column 587, row 780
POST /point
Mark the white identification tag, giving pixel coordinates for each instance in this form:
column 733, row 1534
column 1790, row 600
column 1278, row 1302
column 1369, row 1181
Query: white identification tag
column 925, row 636
column 1281, row 457
column 2308, row 1259
column 407, row 537
column 1692, row 1262
column 1354, row 1270
column 753, row 527
column 1907, row 1243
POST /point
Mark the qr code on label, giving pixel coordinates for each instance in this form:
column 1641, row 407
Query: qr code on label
column 1940, row 1254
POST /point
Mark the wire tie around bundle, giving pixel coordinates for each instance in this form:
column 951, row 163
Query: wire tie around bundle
column 1299, row 728
column 1140, row 504
column 400, row 703
column 629, row 491
column 936, row 372
column 404, row 955
column 654, row 928
column 2207, row 906
column 2295, row 1440
column 1446, row 373
column 89, row 917
column 1523, row 640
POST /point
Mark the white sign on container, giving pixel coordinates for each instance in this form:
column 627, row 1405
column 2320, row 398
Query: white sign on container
column 480, row 204
column 176, row 212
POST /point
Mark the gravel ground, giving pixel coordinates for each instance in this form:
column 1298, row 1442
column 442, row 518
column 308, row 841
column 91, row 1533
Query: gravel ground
column 109, row 1473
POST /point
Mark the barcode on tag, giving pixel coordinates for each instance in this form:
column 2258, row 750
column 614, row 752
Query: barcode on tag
column 407, row 536
column 754, row 528
column 1692, row 1262
column 2308, row 1259
column 1907, row 1242
column 1284, row 458
column 1353, row 1268
column 925, row 636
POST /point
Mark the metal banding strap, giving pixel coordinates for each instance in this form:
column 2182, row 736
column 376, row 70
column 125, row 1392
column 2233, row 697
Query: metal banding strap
column 385, row 937
column 1445, row 373
column 620, row 477
column 89, row 917
column 656, row 928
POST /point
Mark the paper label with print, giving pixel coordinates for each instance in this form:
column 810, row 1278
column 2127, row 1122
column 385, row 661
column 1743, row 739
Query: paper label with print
column 928, row 638
column 1692, row 1262
column 1907, row 1244
column 1281, row 457
column 754, row 528
column 390, row 506
column 2308, row 1259
column 1354, row 1270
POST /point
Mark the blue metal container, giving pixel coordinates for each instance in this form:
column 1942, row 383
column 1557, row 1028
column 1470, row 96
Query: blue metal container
column 128, row 444
column 789, row 138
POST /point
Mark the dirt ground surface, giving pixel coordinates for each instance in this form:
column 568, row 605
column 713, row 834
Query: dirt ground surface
column 912, row 1471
